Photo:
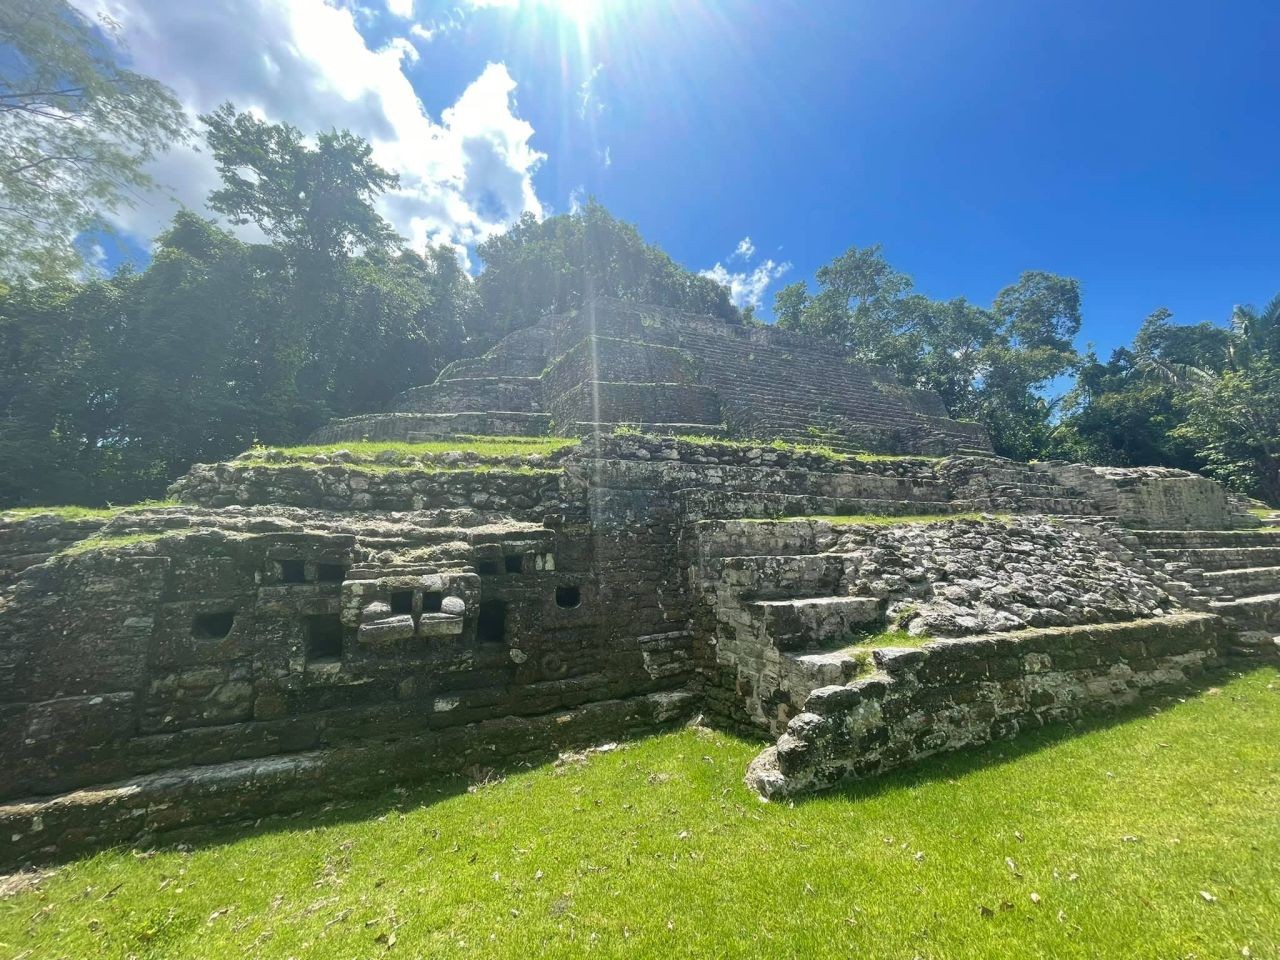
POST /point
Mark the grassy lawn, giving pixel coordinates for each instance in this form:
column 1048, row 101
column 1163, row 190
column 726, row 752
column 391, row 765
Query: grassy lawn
column 1156, row 837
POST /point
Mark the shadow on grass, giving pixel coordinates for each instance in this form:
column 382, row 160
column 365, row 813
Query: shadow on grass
column 414, row 795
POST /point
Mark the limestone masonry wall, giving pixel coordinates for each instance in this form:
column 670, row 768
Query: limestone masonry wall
column 304, row 625
column 951, row 694
column 790, row 603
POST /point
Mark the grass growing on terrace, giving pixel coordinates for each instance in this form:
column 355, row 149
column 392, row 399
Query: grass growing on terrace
column 74, row 512
column 482, row 446
column 99, row 542
column 1151, row 838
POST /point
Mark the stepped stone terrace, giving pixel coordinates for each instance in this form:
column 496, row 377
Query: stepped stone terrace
column 602, row 527
column 614, row 363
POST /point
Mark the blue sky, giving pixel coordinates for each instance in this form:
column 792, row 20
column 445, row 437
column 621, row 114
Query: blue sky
column 1129, row 144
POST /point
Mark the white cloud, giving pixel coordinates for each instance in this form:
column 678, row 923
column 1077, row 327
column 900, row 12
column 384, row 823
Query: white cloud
column 747, row 286
column 463, row 177
column 400, row 8
column 589, row 102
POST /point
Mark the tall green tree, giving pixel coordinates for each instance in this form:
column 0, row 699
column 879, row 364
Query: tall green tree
column 77, row 131
column 316, row 201
column 546, row 266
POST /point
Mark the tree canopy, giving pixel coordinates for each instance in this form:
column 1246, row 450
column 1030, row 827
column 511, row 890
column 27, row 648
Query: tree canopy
column 547, row 266
column 112, row 386
column 988, row 364
column 77, row 131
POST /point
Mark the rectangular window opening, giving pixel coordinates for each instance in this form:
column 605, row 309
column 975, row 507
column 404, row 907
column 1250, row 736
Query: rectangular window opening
column 292, row 571
column 491, row 623
column 331, row 572
column 431, row 602
column 514, row 563
column 401, row 601
column 324, row 637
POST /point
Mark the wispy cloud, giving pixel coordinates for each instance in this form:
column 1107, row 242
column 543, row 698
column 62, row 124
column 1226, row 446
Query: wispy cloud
column 746, row 286
column 589, row 102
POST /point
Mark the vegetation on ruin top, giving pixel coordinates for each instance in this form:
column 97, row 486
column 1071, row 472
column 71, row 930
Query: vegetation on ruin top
column 1151, row 837
column 75, row 512
column 99, row 542
column 371, row 450
column 892, row 637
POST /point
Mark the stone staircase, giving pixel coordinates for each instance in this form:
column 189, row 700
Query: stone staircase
column 1005, row 486
column 783, row 616
column 835, row 404
column 1233, row 573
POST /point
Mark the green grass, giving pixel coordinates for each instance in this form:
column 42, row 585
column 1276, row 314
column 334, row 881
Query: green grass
column 657, row 850
column 75, row 512
column 483, row 446
column 99, row 542
column 889, row 638
column 72, row 511
column 64, row 512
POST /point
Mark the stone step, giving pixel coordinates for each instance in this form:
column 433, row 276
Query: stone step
column 1199, row 539
column 1220, row 558
column 1261, row 612
column 811, row 622
column 712, row 504
column 586, row 428
column 785, row 577
column 827, row 668
column 1244, row 581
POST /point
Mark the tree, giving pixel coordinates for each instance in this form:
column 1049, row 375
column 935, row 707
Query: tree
column 314, row 201
column 990, row 365
column 1233, row 423
column 76, row 133
column 541, row 267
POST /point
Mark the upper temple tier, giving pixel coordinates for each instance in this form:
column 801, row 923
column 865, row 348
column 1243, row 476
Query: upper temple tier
column 611, row 363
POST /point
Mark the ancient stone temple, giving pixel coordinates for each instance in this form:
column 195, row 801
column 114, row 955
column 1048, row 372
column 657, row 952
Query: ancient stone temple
column 669, row 373
column 703, row 541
